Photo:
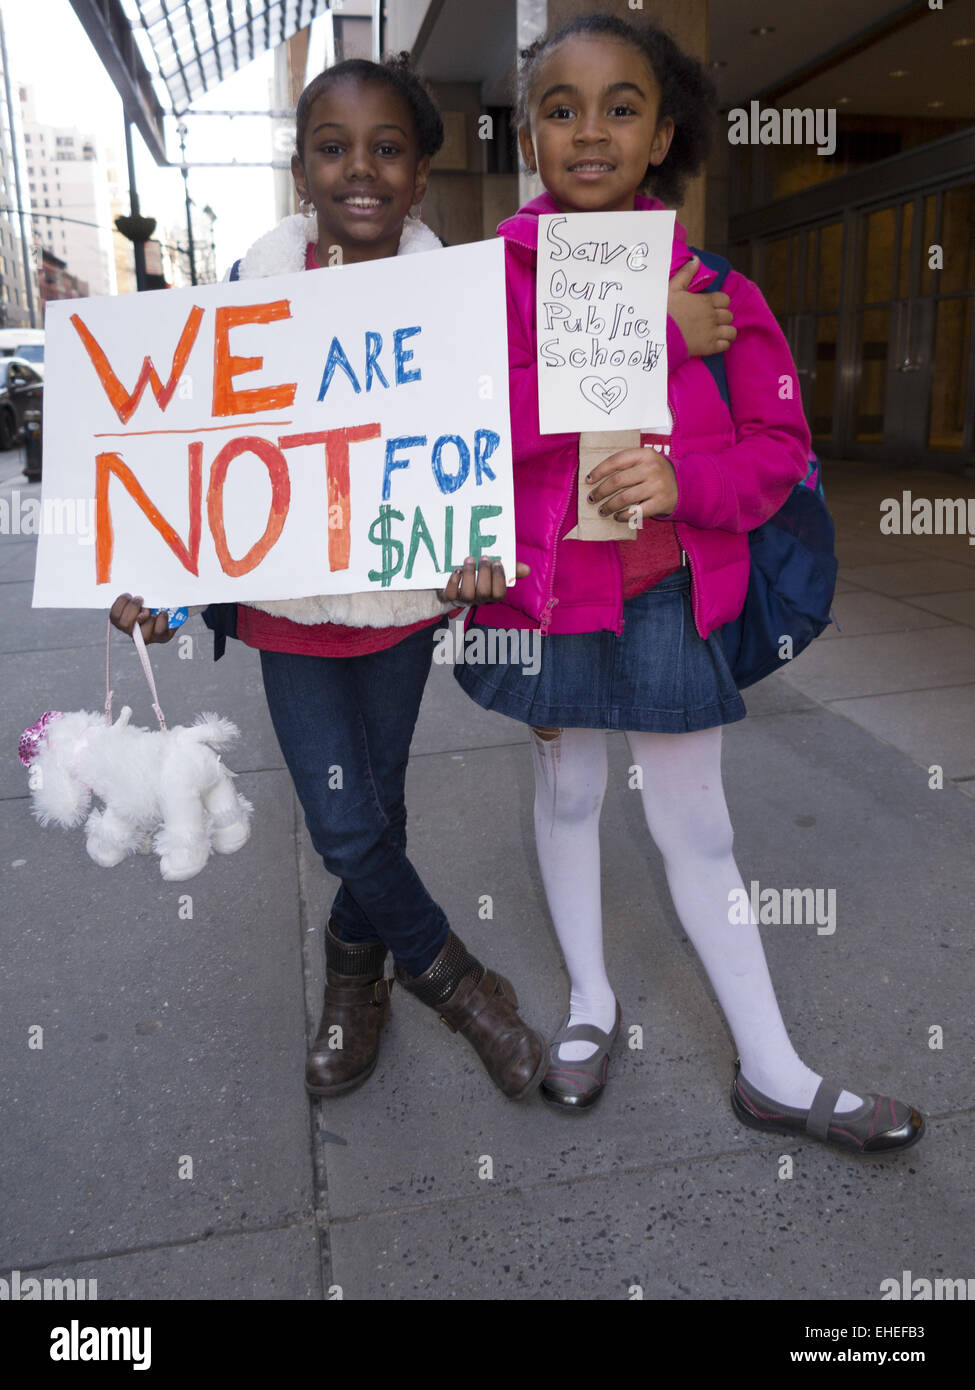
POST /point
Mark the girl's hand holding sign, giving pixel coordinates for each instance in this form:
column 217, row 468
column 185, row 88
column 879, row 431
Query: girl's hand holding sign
column 479, row 583
column 634, row 478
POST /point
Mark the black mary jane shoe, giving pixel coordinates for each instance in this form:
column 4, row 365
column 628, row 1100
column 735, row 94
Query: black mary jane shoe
column 576, row 1086
column 880, row 1125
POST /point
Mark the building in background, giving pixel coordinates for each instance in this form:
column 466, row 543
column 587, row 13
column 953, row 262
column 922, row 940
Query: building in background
column 174, row 250
column 69, row 188
column 56, row 282
column 15, row 292
column 118, row 206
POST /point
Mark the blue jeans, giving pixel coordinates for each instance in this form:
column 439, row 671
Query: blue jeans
column 344, row 725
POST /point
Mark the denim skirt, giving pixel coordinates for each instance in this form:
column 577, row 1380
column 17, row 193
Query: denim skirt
column 658, row 676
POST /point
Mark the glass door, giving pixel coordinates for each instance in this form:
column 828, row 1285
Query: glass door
column 912, row 372
column 951, row 292
column 801, row 276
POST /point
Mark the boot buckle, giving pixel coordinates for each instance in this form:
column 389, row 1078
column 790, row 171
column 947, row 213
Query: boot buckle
column 382, row 989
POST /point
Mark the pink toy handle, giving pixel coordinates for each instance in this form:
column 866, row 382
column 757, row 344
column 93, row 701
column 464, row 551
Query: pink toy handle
column 140, row 646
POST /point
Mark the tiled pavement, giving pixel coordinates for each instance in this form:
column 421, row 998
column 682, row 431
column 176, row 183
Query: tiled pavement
column 167, row 1037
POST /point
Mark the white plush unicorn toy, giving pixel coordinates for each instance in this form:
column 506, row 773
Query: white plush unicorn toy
column 164, row 789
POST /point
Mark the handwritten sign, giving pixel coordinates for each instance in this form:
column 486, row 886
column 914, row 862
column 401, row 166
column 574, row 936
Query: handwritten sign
column 602, row 320
column 334, row 431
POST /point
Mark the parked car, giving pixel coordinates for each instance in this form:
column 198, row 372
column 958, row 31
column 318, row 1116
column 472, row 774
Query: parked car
column 26, row 343
column 21, row 396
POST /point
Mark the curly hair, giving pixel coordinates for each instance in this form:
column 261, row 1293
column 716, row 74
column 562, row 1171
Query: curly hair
column 688, row 96
column 395, row 71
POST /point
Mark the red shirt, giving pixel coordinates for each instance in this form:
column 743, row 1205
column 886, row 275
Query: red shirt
column 655, row 552
column 273, row 634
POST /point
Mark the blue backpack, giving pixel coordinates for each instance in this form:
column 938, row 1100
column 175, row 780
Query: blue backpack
column 793, row 565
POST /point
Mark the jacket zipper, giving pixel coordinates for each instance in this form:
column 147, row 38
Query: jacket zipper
column 686, row 547
column 551, row 603
column 545, row 617
column 526, row 244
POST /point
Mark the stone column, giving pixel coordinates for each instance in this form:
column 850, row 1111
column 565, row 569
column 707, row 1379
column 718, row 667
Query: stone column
column 531, row 23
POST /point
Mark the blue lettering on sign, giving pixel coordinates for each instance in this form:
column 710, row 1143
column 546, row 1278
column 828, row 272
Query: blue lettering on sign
column 485, row 443
column 447, row 482
column 337, row 358
column 402, row 357
column 406, row 441
column 374, row 346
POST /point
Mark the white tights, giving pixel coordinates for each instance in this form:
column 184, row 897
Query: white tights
column 685, row 808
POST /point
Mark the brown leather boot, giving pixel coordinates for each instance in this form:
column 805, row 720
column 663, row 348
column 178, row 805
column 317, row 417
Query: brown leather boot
column 483, row 1006
column 357, row 1001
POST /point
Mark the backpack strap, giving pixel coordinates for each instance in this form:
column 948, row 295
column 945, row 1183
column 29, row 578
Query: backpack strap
column 221, row 619
column 715, row 360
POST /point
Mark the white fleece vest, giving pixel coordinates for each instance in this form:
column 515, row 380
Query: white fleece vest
column 280, row 252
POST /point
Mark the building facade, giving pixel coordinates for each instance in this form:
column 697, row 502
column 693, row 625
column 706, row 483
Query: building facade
column 69, row 189
column 19, row 290
column 56, row 281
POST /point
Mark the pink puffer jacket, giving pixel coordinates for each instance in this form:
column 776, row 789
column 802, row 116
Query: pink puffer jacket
column 731, row 474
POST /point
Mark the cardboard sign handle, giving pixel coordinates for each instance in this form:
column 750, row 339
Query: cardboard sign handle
column 594, row 446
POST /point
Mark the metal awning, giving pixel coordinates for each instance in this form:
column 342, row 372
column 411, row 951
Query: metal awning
column 198, row 43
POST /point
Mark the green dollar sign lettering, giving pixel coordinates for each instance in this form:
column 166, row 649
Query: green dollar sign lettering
column 389, row 566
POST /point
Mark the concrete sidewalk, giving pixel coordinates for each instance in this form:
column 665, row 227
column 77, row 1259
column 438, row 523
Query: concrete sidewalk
column 169, row 1037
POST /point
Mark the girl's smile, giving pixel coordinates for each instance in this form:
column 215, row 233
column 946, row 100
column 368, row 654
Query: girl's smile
column 594, row 124
column 591, row 169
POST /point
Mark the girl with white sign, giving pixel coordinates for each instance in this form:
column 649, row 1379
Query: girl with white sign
column 344, row 674
column 606, row 110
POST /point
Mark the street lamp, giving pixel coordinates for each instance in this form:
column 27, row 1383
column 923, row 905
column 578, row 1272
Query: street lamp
column 182, row 132
column 211, row 217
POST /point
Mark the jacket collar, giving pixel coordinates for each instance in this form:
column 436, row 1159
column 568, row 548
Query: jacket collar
column 522, row 230
column 282, row 250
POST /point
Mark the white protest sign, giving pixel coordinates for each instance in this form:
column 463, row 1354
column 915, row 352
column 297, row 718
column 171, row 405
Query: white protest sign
column 602, row 320
column 332, row 431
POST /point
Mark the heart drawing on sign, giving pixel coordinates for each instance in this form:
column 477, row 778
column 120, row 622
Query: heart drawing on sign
column 606, row 394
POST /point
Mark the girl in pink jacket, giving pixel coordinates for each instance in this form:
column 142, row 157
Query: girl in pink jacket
column 606, row 110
